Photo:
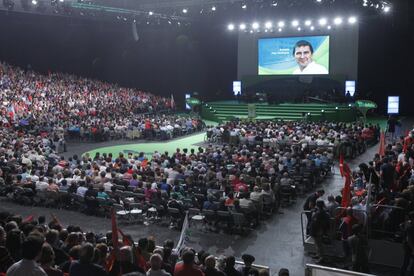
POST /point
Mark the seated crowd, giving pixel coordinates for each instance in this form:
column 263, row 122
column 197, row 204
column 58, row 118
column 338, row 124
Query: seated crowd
column 389, row 179
column 89, row 109
column 349, row 139
column 248, row 180
column 34, row 247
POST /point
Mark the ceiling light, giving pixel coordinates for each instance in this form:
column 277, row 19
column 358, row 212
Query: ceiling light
column 242, row 26
column 255, row 25
column 230, row 27
column 185, row 10
column 268, row 24
column 295, row 23
column 338, row 21
column 322, row 21
column 352, row 20
column 308, row 22
column 281, row 24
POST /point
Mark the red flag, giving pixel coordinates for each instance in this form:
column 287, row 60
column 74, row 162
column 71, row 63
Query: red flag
column 125, row 239
column 139, row 259
column 341, row 164
column 28, row 219
column 346, row 192
column 381, row 150
column 114, row 230
column 112, row 256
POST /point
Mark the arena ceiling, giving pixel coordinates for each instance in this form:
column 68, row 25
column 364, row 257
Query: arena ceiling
column 189, row 11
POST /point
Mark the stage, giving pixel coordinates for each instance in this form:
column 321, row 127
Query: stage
column 226, row 110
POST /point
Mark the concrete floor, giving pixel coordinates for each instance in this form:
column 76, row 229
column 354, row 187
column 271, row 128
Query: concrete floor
column 277, row 242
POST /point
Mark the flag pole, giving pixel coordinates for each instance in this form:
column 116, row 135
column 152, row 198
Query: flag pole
column 368, row 204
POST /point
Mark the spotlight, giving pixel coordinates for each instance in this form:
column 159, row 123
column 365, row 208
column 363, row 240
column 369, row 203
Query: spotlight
column 61, row 1
column 280, row 29
column 213, row 8
column 274, row 3
column 308, row 22
column 318, row 1
column 352, row 20
column 329, row 27
column 312, row 28
column 255, row 25
column 281, row 24
column 387, row 9
column 268, row 25
column 295, row 23
column 244, row 6
column 34, row 2
column 251, row 31
column 150, row 13
column 322, row 21
column 242, row 26
column 230, row 27
column 185, row 10
column 299, row 29
column 338, row 21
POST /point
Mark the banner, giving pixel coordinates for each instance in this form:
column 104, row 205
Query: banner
column 185, row 235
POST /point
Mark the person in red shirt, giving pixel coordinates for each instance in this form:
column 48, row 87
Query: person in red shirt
column 187, row 266
column 241, row 186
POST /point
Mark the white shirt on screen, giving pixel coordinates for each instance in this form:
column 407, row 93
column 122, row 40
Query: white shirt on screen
column 312, row 69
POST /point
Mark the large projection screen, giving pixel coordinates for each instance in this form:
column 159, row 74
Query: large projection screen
column 343, row 53
column 299, row 55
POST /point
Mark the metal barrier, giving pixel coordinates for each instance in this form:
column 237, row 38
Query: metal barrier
column 318, row 270
column 381, row 227
column 392, row 255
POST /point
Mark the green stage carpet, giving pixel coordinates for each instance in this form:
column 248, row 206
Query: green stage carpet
column 149, row 148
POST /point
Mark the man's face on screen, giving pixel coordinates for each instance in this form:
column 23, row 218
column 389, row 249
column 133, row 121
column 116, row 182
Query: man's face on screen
column 303, row 56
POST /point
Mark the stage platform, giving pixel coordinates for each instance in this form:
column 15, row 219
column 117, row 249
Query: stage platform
column 226, row 110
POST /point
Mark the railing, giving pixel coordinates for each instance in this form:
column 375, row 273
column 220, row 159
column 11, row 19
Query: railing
column 318, row 270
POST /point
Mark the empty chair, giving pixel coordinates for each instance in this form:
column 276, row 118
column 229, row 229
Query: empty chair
column 240, row 223
column 175, row 217
column 195, row 217
column 136, row 211
column 120, row 212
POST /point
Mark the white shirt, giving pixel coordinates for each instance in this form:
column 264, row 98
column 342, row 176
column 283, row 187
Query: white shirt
column 312, row 69
column 81, row 191
column 41, row 186
column 26, row 268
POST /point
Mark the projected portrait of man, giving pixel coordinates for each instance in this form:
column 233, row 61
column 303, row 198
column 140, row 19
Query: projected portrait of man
column 303, row 52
